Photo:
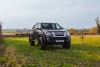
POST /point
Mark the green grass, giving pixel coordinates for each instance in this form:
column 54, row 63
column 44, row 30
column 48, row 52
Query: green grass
column 19, row 53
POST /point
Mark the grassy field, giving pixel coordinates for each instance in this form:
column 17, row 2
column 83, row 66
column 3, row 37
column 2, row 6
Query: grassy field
column 88, row 39
column 18, row 53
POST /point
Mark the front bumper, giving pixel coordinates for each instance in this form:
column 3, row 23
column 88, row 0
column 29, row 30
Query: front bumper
column 57, row 39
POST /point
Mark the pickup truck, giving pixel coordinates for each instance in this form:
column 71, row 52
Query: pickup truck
column 49, row 34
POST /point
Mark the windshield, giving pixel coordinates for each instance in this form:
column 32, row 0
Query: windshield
column 50, row 26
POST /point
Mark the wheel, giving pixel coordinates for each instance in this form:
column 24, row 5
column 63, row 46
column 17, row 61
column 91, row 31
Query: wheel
column 66, row 45
column 42, row 45
column 31, row 41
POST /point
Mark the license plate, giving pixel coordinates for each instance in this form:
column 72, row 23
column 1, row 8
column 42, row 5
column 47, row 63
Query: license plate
column 59, row 40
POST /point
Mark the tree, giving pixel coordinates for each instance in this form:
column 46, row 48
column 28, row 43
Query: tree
column 0, row 32
column 72, row 31
column 93, row 31
column 98, row 25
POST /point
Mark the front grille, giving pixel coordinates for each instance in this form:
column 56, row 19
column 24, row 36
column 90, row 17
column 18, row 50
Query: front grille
column 59, row 33
column 59, row 38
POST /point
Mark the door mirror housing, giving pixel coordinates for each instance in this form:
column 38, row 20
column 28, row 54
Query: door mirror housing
column 38, row 28
column 62, row 28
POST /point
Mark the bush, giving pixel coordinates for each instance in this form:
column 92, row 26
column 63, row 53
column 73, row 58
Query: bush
column 0, row 33
column 22, row 35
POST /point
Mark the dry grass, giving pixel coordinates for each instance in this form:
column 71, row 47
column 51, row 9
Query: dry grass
column 2, row 49
column 11, row 61
column 10, row 50
column 8, row 33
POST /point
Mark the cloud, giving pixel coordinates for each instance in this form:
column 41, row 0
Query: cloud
column 71, row 13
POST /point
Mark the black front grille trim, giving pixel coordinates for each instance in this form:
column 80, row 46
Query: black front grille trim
column 59, row 38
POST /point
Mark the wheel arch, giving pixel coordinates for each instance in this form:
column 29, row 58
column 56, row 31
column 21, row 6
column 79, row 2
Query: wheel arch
column 39, row 36
column 42, row 36
column 32, row 35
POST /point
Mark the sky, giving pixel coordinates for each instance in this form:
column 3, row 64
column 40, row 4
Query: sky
column 78, row 14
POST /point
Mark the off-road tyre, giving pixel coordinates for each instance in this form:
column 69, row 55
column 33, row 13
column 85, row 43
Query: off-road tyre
column 41, row 44
column 31, row 41
column 66, row 45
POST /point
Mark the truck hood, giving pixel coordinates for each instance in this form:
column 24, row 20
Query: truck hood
column 51, row 30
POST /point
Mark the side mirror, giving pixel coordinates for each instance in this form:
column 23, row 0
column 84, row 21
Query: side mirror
column 38, row 28
column 62, row 28
column 31, row 30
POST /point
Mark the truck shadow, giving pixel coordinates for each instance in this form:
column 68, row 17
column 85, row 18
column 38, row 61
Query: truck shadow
column 54, row 47
column 51, row 47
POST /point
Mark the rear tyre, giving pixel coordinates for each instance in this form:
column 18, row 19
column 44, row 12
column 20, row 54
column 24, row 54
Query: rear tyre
column 31, row 41
column 41, row 44
column 66, row 45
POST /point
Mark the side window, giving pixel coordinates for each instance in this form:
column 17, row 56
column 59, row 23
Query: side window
column 53, row 26
column 57, row 26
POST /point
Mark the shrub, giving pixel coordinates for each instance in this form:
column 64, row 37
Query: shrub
column 22, row 35
column 0, row 33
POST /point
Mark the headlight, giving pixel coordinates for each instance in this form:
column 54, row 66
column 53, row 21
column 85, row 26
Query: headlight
column 65, row 33
column 68, row 33
column 47, row 33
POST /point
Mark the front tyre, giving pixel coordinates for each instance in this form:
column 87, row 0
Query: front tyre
column 31, row 41
column 41, row 44
column 66, row 45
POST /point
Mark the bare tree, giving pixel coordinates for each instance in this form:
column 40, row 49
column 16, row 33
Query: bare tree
column 0, row 31
column 98, row 25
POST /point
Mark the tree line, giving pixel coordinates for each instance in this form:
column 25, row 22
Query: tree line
column 91, row 31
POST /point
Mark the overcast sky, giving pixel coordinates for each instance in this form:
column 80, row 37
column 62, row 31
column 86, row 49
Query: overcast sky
column 19, row 14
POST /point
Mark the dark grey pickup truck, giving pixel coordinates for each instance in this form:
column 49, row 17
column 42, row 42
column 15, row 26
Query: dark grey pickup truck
column 49, row 34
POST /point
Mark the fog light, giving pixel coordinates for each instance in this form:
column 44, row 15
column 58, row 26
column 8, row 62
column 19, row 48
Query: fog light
column 48, row 39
